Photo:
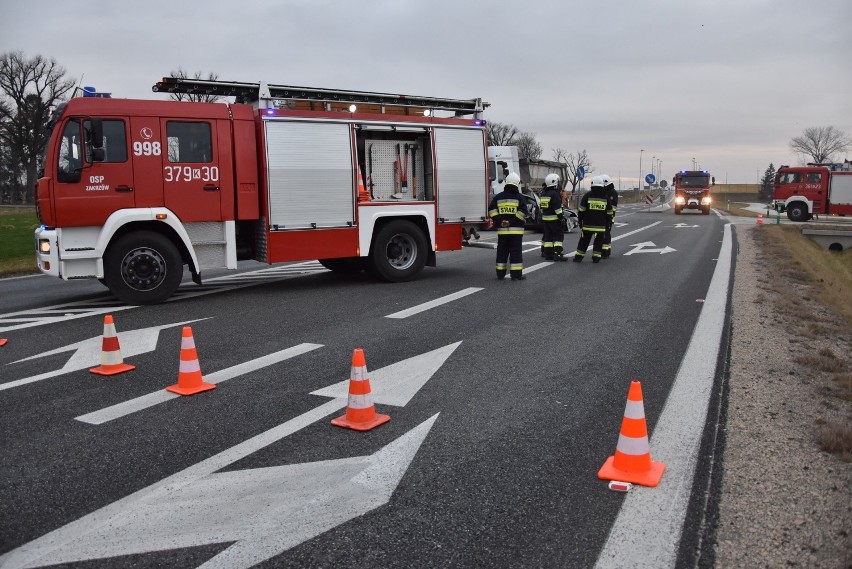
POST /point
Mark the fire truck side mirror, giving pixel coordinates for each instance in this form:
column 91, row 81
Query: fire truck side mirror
column 713, row 180
column 98, row 153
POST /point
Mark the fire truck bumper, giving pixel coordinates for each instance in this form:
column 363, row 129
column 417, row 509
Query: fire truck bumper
column 47, row 251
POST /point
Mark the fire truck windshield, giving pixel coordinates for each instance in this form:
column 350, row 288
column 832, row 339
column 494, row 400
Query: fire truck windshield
column 700, row 181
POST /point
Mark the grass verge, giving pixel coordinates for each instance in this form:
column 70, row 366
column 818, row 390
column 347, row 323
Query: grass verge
column 802, row 270
column 17, row 255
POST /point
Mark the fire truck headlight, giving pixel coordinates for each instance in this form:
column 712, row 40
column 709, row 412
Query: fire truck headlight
column 44, row 246
column 705, row 200
column 680, row 200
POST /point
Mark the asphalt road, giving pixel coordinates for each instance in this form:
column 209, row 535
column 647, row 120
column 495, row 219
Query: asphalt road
column 514, row 395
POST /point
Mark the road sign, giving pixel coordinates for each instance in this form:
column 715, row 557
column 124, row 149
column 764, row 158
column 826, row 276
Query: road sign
column 650, row 178
column 649, row 198
column 663, row 183
column 581, row 173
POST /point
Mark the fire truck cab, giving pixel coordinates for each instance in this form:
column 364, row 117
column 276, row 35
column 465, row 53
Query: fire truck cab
column 133, row 190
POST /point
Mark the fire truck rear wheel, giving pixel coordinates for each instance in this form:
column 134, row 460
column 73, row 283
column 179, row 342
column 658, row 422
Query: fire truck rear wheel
column 399, row 251
column 143, row 268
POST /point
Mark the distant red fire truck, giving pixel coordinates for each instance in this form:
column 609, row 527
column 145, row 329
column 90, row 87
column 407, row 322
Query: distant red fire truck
column 803, row 191
column 692, row 190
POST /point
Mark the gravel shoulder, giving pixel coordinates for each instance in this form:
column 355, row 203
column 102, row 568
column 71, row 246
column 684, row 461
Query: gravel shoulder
column 784, row 501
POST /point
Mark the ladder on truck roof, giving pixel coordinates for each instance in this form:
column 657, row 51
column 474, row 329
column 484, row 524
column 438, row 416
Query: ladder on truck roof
column 260, row 92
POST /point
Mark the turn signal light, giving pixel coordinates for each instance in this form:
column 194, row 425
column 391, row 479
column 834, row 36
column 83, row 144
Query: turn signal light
column 160, row 216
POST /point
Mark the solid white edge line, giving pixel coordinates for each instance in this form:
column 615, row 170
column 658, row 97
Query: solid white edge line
column 433, row 303
column 648, row 528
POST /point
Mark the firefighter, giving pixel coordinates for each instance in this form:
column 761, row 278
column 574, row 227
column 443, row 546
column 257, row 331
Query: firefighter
column 551, row 217
column 609, row 187
column 594, row 214
column 508, row 210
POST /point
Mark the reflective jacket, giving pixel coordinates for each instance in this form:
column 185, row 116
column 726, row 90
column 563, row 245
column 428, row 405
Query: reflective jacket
column 551, row 204
column 509, row 205
column 613, row 198
column 595, row 210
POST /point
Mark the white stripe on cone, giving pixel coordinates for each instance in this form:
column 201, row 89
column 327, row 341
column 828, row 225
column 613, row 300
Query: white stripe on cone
column 189, row 366
column 634, row 446
column 634, row 410
column 360, row 401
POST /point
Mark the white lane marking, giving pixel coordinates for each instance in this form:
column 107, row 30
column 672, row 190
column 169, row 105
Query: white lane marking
column 647, row 531
column 143, row 402
column 88, row 352
column 629, row 233
column 415, row 372
column 528, row 270
column 80, row 309
column 433, row 303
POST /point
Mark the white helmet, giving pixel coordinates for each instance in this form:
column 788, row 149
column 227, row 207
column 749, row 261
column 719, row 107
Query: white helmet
column 513, row 179
column 605, row 180
column 597, row 181
column 551, row 180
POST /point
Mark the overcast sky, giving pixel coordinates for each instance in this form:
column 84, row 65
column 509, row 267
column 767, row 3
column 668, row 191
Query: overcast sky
column 726, row 82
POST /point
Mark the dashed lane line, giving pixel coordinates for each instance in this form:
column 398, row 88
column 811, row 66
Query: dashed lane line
column 132, row 406
column 433, row 303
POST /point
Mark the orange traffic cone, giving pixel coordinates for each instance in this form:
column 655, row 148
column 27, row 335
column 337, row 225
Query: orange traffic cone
column 632, row 459
column 760, row 219
column 190, row 380
column 3, row 342
column 360, row 412
column 363, row 194
column 111, row 362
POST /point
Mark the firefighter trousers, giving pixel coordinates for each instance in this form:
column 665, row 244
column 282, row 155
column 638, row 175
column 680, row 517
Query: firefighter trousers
column 509, row 249
column 551, row 240
column 585, row 238
column 606, row 250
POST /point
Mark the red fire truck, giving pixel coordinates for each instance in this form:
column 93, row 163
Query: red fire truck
column 692, row 190
column 803, row 191
column 133, row 190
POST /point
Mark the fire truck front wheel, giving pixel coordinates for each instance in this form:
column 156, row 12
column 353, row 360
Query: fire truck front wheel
column 143, row 268
column 797, row 211
column 399, row 251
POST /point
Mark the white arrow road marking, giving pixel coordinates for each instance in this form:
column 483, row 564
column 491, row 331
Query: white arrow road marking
column 619, row 224
column 394, row 385
column 397, row 383
column 680, row 225
column 265, row 510
column 88, row 352
column 433, row 303
column 161, row 396
column 646, row 247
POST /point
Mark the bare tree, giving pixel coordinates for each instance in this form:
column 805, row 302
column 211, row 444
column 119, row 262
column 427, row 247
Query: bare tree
column 574, row 161
column 501, row 134
column 528, row 146
column 31, row 88
column 194, row 97
column 821, row 143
